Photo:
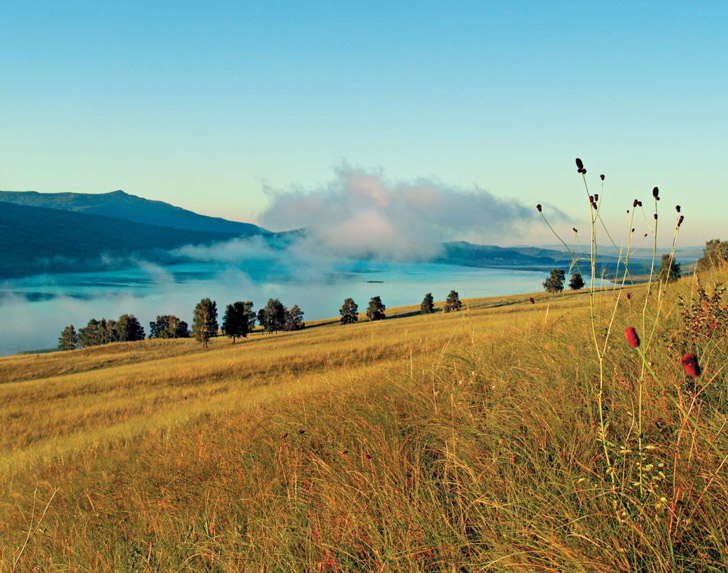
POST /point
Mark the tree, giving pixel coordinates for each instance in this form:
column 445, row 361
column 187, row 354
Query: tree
column 239, row 320
column 349, row 312
column 272, row 317
column 428, row 304
column 376, row 309
column 555, row 281
column 669, row 270
column 129, row 328
column 89, row 335
column 294, row 319
column 68, row 339
column 452, row 302
column 108, row 332
column 204, row 325
column 715, row 254
column 576, row 282
column 168, row 326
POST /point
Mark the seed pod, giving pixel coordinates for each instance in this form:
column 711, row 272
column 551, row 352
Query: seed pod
column 596, row 197
column 601, row 177
column 538, row 207
column 677, row 208
column 579, row 164
column 680, row 220
column 656, row 193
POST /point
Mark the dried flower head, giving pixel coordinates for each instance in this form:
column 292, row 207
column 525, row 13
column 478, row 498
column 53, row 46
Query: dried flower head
column 677, row 208
column 574, row 229
column 583, row 171
column 531, row 300
column 579, row 164
column 655, row 215
column 680, row 220
column 538, row 207
column 690, row 363
column 601, row 177
column 596, row 197
column 635, row 203
column 656, row 193
column 629, row 295
column 632, row 338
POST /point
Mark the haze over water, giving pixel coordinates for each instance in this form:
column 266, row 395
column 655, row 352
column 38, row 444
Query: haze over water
column 35, row 310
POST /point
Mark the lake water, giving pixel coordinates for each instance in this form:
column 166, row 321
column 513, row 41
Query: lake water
column 33, row 311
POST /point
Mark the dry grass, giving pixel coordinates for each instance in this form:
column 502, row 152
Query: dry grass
column 463, row 441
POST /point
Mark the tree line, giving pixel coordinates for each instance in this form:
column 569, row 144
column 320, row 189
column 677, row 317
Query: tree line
column 238, row 321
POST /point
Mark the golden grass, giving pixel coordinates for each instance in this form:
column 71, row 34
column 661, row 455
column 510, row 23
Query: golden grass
column 462, row 441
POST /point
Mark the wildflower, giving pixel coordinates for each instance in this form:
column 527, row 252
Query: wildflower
column 680, row 220
column 531, row 300
column 601, row 177
column 690, row 363
column 677, row 208
column 596, row 197
column 656, row 193
column 635, row 203
column 632, row 338
column 639, row 203
column 574, row 229
column 655, row 216
column 579, row 164
column 583, row 171
column 538, row 207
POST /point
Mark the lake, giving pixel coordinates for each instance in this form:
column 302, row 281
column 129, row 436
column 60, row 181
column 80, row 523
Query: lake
column 34, row 310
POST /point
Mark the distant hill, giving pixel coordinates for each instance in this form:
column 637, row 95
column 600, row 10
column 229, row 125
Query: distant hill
column 131, row 208
column 38, row 240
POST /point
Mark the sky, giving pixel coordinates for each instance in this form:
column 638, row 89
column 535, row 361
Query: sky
column 225, row 107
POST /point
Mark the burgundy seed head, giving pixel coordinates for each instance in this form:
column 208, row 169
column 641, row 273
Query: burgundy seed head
column 583, row 171
column 591, row 198
column 596, row 197
column 645, row 234
column 632, row 338
column 656, row 193
column 594, row 205
column 639, row 203
column 531, row 300
column 629, row 295
column 601, row 177
column 635, row 203
column 677, row 208
column 538, row 207
column 690, row 363
column 579, row 164
column 655, row 216
column 574, row 229
column 680, row 220
column 633, row 230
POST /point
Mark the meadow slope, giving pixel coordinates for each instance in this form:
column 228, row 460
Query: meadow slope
column 485, row 439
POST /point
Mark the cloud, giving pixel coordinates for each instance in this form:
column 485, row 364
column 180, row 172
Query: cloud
column 363, row 214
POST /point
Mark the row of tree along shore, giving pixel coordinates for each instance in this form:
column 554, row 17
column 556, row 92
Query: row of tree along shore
column 239, row 321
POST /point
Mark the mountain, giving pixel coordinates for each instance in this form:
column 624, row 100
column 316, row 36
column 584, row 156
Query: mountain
column 37, row 240
column 131, row 208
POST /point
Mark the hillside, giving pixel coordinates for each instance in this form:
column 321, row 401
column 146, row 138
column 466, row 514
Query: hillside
column 131, row 208
column 478, row 440
column 35, row 240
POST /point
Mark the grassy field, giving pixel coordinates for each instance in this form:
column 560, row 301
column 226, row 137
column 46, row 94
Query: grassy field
column 492, row 439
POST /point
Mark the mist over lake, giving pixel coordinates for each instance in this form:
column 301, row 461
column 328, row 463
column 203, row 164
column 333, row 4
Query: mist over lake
column 34, row 310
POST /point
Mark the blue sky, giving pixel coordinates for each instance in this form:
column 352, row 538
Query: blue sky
column 205, row 105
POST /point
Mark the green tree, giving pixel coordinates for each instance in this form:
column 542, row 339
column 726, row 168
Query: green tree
column 555, row 281
column 428, row 304
column 349, row 312
column 715, row 254
column 129, row 329
column 204, row 324
column 452, row 302
column 168, row 326
column 89, row 335
column 669, row 270
column 68, row 339
column 376, row 309
column 108, row 331
column 272, row 317
column 239, row 320
column 294, row 319
column 576, row 282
